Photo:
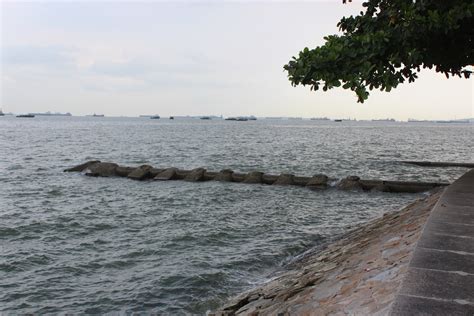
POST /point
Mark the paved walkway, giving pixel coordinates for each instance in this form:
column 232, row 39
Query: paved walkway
column 440, row 277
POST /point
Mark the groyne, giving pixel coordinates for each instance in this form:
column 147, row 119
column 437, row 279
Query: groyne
column 439, row 164
column 315, row 182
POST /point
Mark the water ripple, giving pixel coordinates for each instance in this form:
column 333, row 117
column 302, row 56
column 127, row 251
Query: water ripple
column 74, row 244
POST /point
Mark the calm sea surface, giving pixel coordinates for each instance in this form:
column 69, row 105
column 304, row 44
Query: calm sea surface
column 74, row 244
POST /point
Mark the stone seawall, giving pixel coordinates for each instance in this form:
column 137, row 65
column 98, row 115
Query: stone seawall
column 314, row 182
column 359, row 274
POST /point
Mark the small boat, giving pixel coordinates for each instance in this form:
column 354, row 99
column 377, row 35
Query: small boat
column 1, row 113
column 155, row 117
column 205, row 117
column 171, row 117
column 96, row 115
column 25, row 115
column 337, row 120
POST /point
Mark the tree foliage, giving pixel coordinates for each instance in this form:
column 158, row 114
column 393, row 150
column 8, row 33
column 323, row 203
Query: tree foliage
column 389, row 43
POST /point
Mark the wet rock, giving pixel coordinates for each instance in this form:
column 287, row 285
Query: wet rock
column 408, row 188
column 154, row 172
column 318, row 182
column 238, row 177
column 181, row 174
column 353, row 178
column 350, row 183
column 121, row 171
column 195, row 175
column 224, row 175
column 141, row 173
column 302, row 181
column 210, row 175
column 167, row 174
column 81, row 167
column 269, row 178
column 102, row 169
column 253, row 177
column 284, row 179
column 382, row 187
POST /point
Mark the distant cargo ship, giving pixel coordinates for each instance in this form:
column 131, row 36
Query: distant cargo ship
column 205, row 117
column 454, row 121
column 384, row 120
column 155, row 117
column 241, row 118
column 96, row 115
column 25, row 115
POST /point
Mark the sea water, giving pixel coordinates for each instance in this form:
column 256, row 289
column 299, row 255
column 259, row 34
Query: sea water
column 75, row 244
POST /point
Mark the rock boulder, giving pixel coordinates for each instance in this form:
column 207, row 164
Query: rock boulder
column 284, row 179
column 81, row 167
column 195, row 175
column 224, row 175
column 318, row 182
column 269, row 178
column 253, row 177
column 167, row 174
column 141, row 173
column 350, row 183
column 102, row 169
column 123, row 171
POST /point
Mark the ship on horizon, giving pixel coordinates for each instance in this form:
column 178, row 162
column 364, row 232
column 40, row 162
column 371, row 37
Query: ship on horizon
column 96, row 115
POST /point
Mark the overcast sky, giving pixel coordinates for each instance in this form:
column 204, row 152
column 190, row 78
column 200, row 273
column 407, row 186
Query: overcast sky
column 190, row 57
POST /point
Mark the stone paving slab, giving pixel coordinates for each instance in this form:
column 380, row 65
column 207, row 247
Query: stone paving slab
column 416, row 306
column 434, row 283
column 440, row 276
column 447, row 242
column 450, row 228
column 444, row 260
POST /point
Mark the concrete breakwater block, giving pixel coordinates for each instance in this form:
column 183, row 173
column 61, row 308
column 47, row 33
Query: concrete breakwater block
column 195, row 175
column 102, row 169
column 269, row 178
column 439, row 164
column 317, row 182
column 285, row 179
column 254, row 177
column 97, row 168
column 82, row 167
column 141, row 173
column 350, row 183
column 224, row 175
column 167, row 174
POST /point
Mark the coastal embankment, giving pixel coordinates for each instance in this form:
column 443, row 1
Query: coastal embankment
column 415, row 261
column 359, row 274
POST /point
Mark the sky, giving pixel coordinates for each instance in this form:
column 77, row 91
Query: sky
column 191, row 58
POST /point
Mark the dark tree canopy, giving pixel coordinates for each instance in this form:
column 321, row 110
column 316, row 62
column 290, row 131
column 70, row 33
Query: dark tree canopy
column 388, row 44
